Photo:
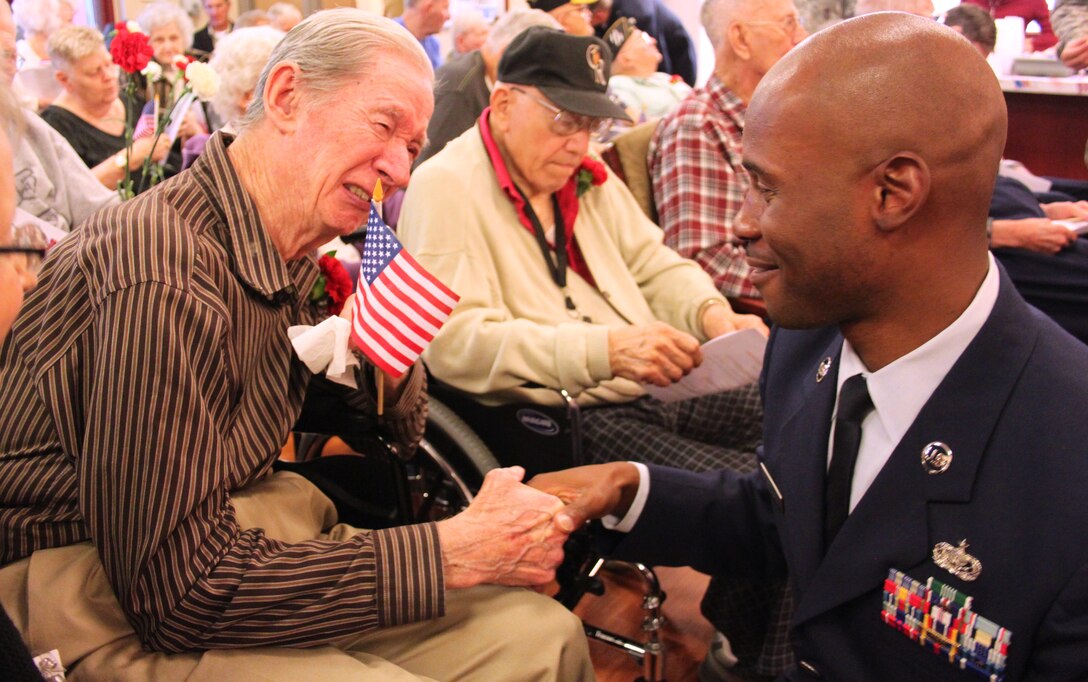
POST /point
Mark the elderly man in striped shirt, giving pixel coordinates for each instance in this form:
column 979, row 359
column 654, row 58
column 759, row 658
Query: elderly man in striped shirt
column 148, row 385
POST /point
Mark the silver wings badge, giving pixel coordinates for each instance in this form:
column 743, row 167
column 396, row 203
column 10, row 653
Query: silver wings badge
column 957, row 561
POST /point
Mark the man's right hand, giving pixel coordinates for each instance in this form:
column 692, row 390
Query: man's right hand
column 593, row 491
column 508, row 535
column 1075, row 54
column 1034, row 234
column 654, row 353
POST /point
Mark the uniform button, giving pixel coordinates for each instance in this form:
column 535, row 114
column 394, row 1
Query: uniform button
column 810, row 669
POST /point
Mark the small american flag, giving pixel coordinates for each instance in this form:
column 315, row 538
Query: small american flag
column 145, row 125
column 399, row 306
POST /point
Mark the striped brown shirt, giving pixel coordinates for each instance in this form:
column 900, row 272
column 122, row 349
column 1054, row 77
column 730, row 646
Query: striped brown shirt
column 148, row 376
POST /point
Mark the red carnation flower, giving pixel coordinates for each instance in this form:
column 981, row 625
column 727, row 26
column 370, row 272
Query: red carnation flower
column 181, row 61
column 337, row 282
column 597, row 169
column 590, row 173
column 130, row 51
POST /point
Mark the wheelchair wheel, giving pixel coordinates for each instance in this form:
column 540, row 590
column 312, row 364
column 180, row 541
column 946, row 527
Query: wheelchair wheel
column 449, row 465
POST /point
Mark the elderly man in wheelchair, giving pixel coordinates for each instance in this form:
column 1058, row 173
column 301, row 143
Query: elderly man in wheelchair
column 566, row 287
column 148, row 385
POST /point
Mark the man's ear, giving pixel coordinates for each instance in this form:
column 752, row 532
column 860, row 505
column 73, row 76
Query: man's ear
column 62, row 78
column 738, row 40
column 283, row 97
column 901, row 188
column 502, row 100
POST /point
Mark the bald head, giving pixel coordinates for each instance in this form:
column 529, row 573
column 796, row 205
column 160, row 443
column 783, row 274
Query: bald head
column 881, row 84
column 872, row 166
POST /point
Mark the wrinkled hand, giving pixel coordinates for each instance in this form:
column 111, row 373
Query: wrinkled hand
column 591, row 492
column 721, row 319
column 1066, row 210
column 1034, row 234
column 508, row 535
column 1075, row 54
column 654, row 353
column 142, row 147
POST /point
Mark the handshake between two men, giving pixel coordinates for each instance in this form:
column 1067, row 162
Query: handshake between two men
column 513, row 534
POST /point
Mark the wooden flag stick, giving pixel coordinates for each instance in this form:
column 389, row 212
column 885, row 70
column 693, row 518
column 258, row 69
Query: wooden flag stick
column 379, row 380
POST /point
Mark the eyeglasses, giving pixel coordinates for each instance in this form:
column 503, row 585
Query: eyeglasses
column 31, row 243
column 789, row 25
column 566, row 123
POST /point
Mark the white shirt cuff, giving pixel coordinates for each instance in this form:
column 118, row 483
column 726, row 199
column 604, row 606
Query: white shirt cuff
column 624, row 525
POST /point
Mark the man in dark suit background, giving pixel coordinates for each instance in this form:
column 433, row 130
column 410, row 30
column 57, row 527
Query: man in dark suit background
column 653, row 17
column 219, row 24
column 922, row 423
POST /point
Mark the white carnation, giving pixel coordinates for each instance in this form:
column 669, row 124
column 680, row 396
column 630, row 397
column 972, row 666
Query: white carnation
column 152, row 71
column 203, row 80
column 133, row 27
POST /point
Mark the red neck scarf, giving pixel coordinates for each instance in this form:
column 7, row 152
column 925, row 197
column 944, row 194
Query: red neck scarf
column 567, row 196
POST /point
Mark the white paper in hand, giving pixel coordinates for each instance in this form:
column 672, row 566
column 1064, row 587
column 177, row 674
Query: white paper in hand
column 1078, row 226
column 729, row 361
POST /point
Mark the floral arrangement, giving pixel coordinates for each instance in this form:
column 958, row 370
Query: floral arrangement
column 132, row 52
column 333, row 285
column 590, row 173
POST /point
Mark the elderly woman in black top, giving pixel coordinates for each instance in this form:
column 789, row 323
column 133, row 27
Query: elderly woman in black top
column 90, row 113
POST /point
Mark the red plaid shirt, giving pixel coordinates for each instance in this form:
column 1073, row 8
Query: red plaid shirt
column 699, row 183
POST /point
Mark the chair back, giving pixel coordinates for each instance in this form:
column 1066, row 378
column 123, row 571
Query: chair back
column 627, row 159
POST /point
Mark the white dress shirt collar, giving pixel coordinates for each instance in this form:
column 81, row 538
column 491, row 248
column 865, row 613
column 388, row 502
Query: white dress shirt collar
column 900, row 389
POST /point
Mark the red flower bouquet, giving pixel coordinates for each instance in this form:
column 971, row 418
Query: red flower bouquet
column 333, row 286
column 130, row 51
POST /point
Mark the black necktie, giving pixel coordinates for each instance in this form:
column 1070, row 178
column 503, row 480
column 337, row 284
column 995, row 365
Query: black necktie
column 854, row 404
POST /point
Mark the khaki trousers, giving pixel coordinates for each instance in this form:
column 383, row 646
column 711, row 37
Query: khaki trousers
column 60, row 599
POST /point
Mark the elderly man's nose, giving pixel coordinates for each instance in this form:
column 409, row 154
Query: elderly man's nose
column 395, row 166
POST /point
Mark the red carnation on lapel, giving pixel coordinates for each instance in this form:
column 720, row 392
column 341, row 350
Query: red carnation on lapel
column 338, row 284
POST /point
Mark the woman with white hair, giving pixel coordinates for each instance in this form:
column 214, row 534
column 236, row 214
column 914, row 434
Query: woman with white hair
column 89, row 113
column 169, row 29
column 170, row 32
column 239, row 58
column 34, row 84
column 37, row 19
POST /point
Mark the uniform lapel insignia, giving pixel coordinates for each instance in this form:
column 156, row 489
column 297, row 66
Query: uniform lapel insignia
column 822, row 370
column 957, row 561
column 942, row 619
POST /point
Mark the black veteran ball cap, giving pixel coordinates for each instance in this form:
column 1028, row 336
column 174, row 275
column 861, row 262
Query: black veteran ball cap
column 571, row 71
column 549, row 5
column 618, row 34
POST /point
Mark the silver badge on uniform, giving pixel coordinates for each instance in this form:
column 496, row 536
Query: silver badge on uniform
column 822, row 370
column 936, row 458
column 957, row 561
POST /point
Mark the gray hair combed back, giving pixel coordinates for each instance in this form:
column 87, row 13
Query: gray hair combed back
column 514, row 22
column 716, row 15
column 331, row 48
column 163, row 14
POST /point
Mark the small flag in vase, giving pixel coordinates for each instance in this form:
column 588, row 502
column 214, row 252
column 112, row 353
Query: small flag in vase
column 399, row 306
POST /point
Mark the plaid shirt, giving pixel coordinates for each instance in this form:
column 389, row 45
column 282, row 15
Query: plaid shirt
column 699, row 183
